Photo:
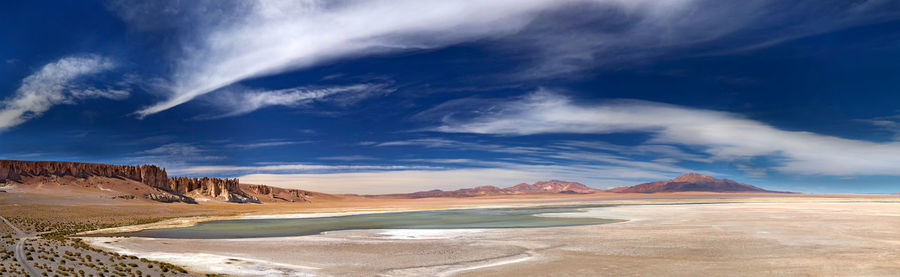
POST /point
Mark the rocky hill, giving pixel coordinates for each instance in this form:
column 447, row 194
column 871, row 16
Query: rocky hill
column 148, row 181
column 690, row 182
column 275, row 194
column 552, row 186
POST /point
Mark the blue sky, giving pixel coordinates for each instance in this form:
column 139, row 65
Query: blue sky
column 397, row 96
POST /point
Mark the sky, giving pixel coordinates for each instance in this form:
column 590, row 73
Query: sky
column 388, row 96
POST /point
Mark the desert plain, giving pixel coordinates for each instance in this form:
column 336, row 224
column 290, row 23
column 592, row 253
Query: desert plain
column 663, row 234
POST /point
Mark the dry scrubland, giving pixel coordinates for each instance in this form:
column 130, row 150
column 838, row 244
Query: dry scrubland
column 49, row 251
column 8, row 264
column 48, row 221
column 72, row 257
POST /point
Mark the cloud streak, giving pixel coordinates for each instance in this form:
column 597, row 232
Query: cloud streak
column 722, row 135
column 56, row 84
column 238, row 100
column 268, row 37
column 229, row 169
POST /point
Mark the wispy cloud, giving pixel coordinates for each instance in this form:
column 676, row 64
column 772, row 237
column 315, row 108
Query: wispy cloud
column 288, row 168
column 722, row 135
column 225, row 42
column 270, row 143
column 261, row 38
column 578, row 154
column 625, row 33
column 55, row 84
column 348, row 158
column 886, row 123
column 463, row 145
column 238, row 100
column 655, row 150
column 175, row 155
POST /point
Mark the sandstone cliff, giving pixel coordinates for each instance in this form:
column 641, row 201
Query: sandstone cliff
column 164, row 189
column 147, row 174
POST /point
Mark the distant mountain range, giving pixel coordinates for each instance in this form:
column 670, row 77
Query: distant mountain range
column 552, row 186
column 691, row 182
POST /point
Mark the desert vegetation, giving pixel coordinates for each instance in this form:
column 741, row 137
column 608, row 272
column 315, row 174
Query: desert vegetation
column 50, row 249
column 62, row 256
column 8, row 264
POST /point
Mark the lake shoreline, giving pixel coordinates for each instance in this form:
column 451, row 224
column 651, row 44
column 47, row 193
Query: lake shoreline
column 782, row 230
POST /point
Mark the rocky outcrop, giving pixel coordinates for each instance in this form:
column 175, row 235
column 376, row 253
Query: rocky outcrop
column 552, row 186
column 691, row 182
column 148, row 174
column 275, row 194
column 227, row 190
column 169, row 198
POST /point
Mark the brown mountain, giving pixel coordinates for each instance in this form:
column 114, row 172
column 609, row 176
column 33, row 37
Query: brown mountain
column 143, row 182
column 552, row 186
column 690, row 182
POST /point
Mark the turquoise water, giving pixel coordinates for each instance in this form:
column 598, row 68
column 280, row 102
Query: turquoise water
column 440, row 219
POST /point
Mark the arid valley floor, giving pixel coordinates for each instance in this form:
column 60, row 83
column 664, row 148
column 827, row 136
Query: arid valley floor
column 717, row 234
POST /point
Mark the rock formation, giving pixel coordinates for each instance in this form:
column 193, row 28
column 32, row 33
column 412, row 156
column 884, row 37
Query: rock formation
column 169, row 198
column 691, row 182
column 227, row 190
column 275, row 194
column 147, row 174
column 175, row 189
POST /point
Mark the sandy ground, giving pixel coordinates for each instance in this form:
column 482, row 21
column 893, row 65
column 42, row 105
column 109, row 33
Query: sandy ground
column 795, row 238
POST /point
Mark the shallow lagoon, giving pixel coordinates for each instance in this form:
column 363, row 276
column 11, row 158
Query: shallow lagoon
column 530, row 217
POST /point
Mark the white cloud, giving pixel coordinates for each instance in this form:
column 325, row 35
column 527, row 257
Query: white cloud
column 55, row 84
column 722, row 135
column 236, row 101
column 268, row 37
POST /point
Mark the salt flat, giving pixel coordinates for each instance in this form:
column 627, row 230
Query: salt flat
column 723, row 239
